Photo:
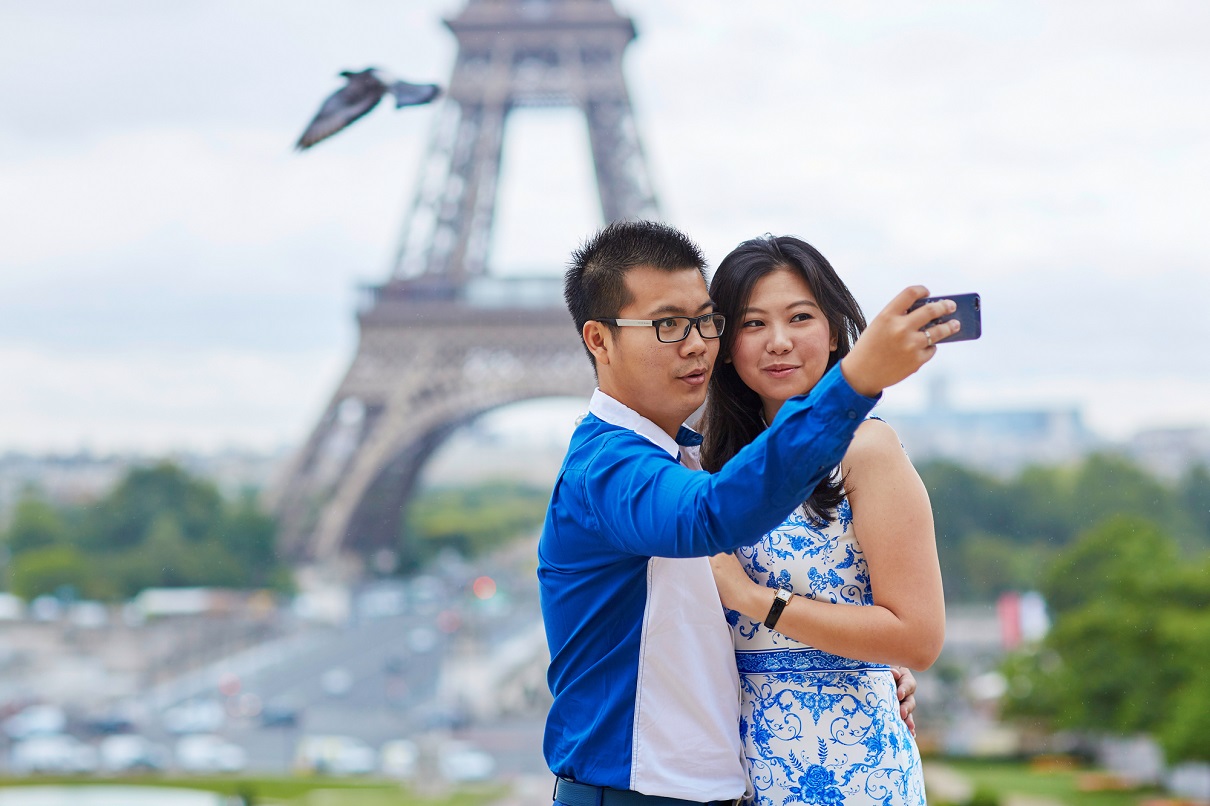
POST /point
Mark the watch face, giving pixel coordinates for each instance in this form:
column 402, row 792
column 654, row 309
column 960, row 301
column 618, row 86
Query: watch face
column 779, row 602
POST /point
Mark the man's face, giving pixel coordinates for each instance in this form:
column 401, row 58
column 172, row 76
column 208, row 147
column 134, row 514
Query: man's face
column 663, row 382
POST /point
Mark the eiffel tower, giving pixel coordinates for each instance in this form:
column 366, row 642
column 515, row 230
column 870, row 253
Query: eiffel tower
column 442, row 341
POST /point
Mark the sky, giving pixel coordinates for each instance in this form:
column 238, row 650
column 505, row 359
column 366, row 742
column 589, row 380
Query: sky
column 173, row 276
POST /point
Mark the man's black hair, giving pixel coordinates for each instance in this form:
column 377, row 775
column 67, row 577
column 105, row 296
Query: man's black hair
column 595, row 283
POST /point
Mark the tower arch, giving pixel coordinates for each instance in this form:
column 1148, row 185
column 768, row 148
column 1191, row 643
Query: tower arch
column 442, row 340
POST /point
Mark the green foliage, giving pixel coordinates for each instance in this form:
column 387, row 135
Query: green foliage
column 1108, row 485
column 48, row 569
column 471, row 519
column 1041, row 512
column 1018, row 782
column 965, row 501
column 36, row 524
column 1193, row 495
column 160, row 527
column 293, row 790
column 1124, row 559
column 126, row 516
column 983, row 796
column 995, row 535
column 990, row 564
column 248, row 535
column 1130, row 646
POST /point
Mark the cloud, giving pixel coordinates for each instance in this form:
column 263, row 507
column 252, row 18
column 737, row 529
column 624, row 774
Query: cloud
column 153, row 399
column 1054, row 158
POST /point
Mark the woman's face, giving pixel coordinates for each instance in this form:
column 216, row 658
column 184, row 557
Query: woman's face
column 783, row 340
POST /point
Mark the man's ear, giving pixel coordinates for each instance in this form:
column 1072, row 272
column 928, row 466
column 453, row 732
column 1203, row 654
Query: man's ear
column 598, row 339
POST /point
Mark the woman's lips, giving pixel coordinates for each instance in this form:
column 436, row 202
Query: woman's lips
column 779, row 370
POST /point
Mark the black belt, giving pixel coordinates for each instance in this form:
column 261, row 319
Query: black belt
column 573, row 793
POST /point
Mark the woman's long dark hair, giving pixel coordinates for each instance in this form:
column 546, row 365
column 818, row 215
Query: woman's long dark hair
column 733, row 415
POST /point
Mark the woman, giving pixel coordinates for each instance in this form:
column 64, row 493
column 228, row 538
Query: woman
column 858, row 561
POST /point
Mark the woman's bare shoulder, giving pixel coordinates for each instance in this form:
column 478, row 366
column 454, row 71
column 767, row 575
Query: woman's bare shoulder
column 874, row 436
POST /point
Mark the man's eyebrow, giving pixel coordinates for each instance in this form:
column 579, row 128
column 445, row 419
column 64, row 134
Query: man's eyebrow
column 673, row 310
column 754, row 309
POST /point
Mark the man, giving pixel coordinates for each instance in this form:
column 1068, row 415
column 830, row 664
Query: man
column 642, row 669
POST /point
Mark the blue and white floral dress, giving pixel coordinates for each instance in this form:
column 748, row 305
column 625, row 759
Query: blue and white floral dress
column 818, row 728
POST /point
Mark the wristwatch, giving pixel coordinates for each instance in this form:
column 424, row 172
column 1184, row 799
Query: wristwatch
column 779, row 604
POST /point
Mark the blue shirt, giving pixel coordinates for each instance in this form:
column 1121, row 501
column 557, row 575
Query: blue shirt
column 642, row 667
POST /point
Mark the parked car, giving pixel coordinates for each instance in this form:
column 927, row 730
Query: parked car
column 194, row 716
column 460, row 762
column 205, row 752
column 129, row 752
column 55, row 753
column 334, row 755
column 337, row 681
column 422, row 640
column 36, row 720
column 276, row 715
column 108, row 724
column 398, row 758
column 382, row 600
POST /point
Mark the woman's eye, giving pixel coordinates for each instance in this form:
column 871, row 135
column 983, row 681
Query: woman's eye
column 802, row 317
column 753, row 323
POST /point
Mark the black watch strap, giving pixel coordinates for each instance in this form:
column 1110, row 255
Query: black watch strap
column 779, row 604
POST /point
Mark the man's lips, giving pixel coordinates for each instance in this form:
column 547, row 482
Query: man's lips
column 695, row 377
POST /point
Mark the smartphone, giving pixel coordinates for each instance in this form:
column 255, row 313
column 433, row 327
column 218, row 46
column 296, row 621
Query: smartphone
column 968, row 313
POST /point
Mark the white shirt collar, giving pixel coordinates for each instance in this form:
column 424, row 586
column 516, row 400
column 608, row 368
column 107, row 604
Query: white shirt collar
column 616, row 413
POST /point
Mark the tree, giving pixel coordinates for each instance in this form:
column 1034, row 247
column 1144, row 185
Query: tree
column 992, row 564
column 1130, row 644
column 1194, row 495
column 1107, row 485
column 36, row 524
column 964, row 501
column 158, row 527
column 1183, row 732
column 1040, row 504
column 248, row 536
column 1123, row 559
column 49, row 569
column 125, row 516
column 992, row 532
column 471, row 519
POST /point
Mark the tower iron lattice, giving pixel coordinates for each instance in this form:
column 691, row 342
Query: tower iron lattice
column 441, row 340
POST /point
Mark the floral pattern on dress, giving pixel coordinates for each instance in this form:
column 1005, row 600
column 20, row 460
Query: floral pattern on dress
column 818, row 728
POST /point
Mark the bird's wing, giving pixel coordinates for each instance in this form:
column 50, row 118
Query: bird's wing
column 412, row 94
column 361, row 94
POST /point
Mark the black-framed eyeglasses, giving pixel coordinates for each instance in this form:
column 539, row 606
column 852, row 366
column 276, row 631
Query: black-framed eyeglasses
column 672, row 329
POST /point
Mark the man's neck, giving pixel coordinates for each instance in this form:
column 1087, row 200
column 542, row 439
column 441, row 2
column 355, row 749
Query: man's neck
column 667, row 425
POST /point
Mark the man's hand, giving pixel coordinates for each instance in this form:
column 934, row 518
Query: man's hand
column 893, row 346
column 905, row 690
column 735, row 588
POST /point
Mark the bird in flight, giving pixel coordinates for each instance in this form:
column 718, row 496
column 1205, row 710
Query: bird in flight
column 361, row 93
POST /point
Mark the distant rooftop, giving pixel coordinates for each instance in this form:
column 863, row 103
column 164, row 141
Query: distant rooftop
column 999, row 441
column 1004, row 441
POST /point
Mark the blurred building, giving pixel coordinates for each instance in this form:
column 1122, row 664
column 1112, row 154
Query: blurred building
column 71, row 479
column 83, row 477
column 1168, row 452
column 1001, row 442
